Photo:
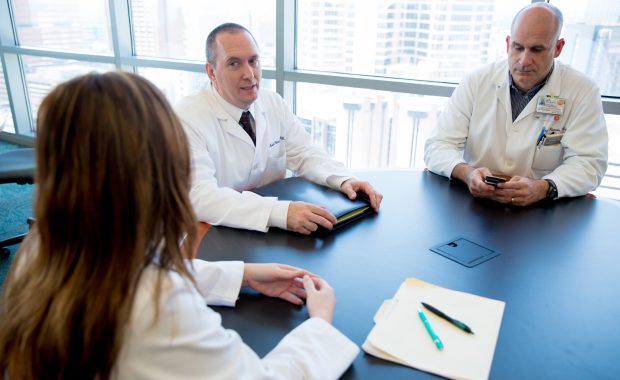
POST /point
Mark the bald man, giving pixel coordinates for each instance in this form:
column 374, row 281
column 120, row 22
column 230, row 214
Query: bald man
column 529, row 120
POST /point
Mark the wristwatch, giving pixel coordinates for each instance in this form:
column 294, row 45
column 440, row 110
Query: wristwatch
column 552, row 193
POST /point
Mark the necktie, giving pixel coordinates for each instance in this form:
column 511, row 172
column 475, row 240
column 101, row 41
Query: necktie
column 247, row 121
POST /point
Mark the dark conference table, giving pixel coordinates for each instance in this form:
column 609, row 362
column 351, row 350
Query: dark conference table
column 558, row 272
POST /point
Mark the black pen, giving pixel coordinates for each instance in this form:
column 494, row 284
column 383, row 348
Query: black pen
column 455, row 322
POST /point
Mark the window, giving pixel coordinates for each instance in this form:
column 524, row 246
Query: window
column 74, row 25
column 178, row 29
column 43, row 74
column 592, row 33
column 175, row 84
column 369, row 129
column 370, row 37
column 6, row 119
column 343, row 62
column 610, row 187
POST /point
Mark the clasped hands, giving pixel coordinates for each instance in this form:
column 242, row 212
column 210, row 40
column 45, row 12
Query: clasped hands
column 519, row 191
column 293, row 285
column 306, row 218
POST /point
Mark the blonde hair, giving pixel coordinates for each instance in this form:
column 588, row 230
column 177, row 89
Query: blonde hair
column 113, row 177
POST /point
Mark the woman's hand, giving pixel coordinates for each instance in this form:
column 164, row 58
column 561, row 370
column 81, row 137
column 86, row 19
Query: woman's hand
column 276, row 280
column 321, row 299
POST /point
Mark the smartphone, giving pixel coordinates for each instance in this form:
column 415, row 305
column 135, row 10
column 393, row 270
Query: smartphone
column 493, row 180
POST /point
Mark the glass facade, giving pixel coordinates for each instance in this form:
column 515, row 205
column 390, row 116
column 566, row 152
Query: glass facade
column 68, row 25
column 368, row 128
column 178, row 29
column 592, row 34
column 43, row 74
column 366, row 78
column 417, row 39
column 175, row 84
column 6, row 118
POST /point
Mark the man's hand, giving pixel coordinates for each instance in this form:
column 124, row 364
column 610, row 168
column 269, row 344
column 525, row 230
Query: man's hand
column 350, row 188
column 474, row 179
column 276, row 280
column 521, row 191
column 306, row 218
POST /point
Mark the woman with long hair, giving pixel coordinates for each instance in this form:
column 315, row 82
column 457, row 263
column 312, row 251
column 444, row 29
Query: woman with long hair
column 105, row 285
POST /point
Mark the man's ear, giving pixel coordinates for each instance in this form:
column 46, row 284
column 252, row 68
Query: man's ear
column 210, row 71
column 559, row 45
column 507, row 43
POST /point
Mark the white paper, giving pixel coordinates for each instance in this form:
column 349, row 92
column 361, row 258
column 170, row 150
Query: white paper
column 400, row 336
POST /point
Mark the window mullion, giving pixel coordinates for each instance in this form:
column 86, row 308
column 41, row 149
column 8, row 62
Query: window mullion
column 120, row 20
column 12, row 68
column 285, row 48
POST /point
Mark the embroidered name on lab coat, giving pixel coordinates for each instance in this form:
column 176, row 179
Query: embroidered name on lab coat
column 277, row 141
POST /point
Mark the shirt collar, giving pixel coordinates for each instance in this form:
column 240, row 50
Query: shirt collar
column 532, row 91
column 230, row 109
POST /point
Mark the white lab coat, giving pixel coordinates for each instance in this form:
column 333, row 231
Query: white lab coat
column 226, row 163
column 476, row 128
column 187, row 341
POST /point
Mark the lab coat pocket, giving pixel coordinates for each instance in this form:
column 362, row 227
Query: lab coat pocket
column 277, row 149
column 276, row 157
column 548, row 157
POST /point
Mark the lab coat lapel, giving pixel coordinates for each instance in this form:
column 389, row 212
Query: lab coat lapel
column 502, row 93
column 529, row 109
column 228, row 125
column 260, row 117
column 233, row 128
column 554, row 84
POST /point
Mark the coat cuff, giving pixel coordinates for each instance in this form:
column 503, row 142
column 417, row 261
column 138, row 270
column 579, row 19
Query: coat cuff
column 219, row 282
column 319, row 349
column 334, row 181
column 279, row 214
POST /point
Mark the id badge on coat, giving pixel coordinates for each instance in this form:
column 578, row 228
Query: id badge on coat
column 550, row 105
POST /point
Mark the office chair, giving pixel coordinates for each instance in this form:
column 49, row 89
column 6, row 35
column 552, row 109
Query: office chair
column 16, row 166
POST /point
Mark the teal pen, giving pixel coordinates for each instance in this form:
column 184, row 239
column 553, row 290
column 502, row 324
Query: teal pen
column 430, row 331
